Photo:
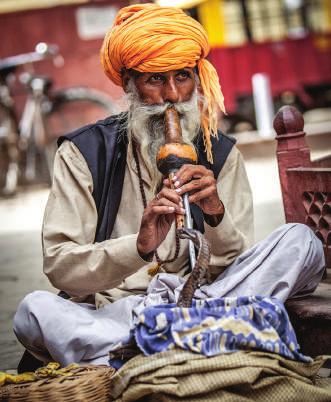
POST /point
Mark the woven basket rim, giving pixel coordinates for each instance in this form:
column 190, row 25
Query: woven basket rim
column 87, row 382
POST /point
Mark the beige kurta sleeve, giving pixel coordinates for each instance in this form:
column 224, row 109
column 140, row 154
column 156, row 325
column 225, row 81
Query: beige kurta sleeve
column 72, row 261
column 236, row 231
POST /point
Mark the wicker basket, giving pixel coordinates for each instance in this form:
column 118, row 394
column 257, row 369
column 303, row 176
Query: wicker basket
column 87, row 383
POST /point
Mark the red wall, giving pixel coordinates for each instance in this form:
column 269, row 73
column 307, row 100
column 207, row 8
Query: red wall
column 21, row 31
column 291, row 64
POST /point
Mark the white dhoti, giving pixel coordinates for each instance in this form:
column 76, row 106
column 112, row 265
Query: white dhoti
column 288, row 263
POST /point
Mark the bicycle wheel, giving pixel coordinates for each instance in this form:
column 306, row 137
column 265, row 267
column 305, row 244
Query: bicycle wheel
column 69, row 109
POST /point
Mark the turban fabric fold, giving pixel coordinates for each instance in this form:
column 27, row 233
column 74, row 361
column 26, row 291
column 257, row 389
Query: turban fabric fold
column 150, row 38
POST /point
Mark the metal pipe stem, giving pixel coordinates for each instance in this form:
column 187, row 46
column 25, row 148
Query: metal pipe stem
column 189, row 225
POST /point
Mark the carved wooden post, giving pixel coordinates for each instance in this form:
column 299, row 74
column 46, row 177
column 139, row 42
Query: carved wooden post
column 306, row 189
column 292, row 150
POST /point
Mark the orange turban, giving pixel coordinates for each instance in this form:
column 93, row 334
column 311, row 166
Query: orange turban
column 150, row 38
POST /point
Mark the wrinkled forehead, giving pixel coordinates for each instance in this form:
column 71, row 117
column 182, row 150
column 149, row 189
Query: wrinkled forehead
column 138, row 74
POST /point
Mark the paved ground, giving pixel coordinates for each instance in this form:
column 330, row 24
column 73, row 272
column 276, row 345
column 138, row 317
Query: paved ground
column 20, row 263
column 20, row 246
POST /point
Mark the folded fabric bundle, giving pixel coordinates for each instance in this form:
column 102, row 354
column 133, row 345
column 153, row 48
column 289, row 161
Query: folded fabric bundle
column 179, row 375
column 215, row 326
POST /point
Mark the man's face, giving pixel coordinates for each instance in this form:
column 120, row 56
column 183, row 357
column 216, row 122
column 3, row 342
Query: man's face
column 149, row 95
column 171, row 86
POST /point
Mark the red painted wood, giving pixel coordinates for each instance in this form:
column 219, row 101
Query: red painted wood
column 306, row 185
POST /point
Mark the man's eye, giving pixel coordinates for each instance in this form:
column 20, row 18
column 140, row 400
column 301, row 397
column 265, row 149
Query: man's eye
column 156, row 78
column 183, row 75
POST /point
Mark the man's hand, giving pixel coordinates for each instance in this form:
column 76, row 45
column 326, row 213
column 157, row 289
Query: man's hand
column 200, row 183
column 157, row 219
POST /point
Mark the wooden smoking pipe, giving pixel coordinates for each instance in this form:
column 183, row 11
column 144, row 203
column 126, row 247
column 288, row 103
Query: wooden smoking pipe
column 171, row 156
column 174, row 153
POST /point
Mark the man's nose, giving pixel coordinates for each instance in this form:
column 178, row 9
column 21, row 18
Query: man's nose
column 170, row 91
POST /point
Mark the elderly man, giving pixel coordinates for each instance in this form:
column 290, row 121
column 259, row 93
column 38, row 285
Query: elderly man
column 109, row 237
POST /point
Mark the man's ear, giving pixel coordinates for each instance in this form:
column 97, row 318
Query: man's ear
column 125, row 79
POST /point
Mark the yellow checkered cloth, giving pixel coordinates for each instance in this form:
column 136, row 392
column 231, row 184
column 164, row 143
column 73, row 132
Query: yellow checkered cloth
column 232, row 377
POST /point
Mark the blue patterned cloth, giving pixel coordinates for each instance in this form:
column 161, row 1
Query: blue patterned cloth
column 215, row 326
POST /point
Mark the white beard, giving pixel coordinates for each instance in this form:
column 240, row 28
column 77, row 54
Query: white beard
column 146, row 127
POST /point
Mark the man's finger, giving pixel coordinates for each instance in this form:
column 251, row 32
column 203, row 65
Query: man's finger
column 167, row 183
column 169, row 194
column 202, row 195
column 164, row 210
column 196, row 185
column 187, row 172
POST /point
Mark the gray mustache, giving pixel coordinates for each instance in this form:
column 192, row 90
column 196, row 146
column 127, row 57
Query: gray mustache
column 159, row 110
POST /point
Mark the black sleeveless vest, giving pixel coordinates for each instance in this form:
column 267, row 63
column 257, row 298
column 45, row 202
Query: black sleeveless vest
column 104, row 147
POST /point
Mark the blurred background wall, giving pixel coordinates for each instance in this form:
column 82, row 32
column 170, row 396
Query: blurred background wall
column 288, row 40
column 78, row 30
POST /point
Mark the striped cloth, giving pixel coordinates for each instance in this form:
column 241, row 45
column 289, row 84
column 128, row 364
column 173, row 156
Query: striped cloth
column 215, row 326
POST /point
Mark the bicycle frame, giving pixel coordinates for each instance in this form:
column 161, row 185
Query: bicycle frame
column 43, row 117
column 18, row 136
column 32, row 126
column 8, row 133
